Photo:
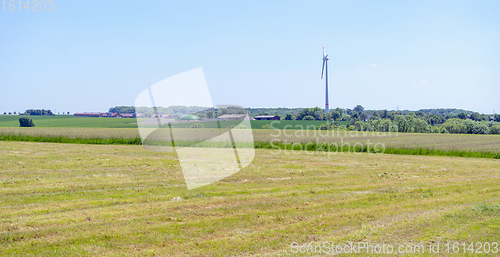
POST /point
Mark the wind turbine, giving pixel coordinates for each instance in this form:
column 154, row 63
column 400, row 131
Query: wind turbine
column 325, row 61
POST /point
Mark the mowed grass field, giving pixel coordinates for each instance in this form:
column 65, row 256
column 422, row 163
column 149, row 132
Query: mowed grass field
column 120, row 200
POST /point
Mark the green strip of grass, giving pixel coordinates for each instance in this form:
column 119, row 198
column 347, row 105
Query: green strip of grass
column 311, row 146
column 95, row 141
column 325, row 147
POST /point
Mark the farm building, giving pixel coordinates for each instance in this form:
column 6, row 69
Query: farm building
column 123, row 115
column 105, row 114
column 90, row 114
column 235, row 117
column 169, row 116
column 267, row 117
column 190, row 117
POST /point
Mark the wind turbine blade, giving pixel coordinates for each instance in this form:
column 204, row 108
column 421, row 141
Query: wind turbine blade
column 322, row 69
column 323, row 50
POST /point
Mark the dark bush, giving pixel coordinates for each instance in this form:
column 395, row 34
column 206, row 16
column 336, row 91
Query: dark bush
column 495, row 129
column 25, row 122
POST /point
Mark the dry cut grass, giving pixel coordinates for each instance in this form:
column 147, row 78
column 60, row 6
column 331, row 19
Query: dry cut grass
column 70, row 199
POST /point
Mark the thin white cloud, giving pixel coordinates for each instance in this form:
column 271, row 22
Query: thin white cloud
column 373, row 65
column 421, row 84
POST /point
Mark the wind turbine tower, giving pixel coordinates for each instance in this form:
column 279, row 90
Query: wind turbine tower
column 325, row 63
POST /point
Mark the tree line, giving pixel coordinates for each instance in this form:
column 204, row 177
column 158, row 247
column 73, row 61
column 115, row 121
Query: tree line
column 413, row 122
column 38, row 112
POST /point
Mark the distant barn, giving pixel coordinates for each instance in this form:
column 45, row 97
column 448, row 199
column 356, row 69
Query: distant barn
column 105, row 114
column 267, row 117
column 89, row 114
column 235, row 117
column 123, row 115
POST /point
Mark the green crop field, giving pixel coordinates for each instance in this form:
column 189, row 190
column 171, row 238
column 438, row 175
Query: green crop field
column 68, row 121
column 71, row 199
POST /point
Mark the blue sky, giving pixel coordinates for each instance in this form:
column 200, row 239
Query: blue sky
column 92, row 55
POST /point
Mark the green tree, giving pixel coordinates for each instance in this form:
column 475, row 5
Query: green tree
column 358, row 109
column 455, row 126
column 495, row 129
column 339, row 110
column 319, row 115
column 289, row 117
column 443, row 130
column 401, row 123
column 497, row 117
column 434, row 119
column 39, row 112
column 308, row 117
column 336, row 115
column 469, row 124
column 314, row 112
column 359, row 126
column 475, row 116
column 122, row 109
column 480, row 128
column 346, row 117
column 26, row 122
column 462, row 116
column 384, row 114
column 384, row 125
column 420, row 126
